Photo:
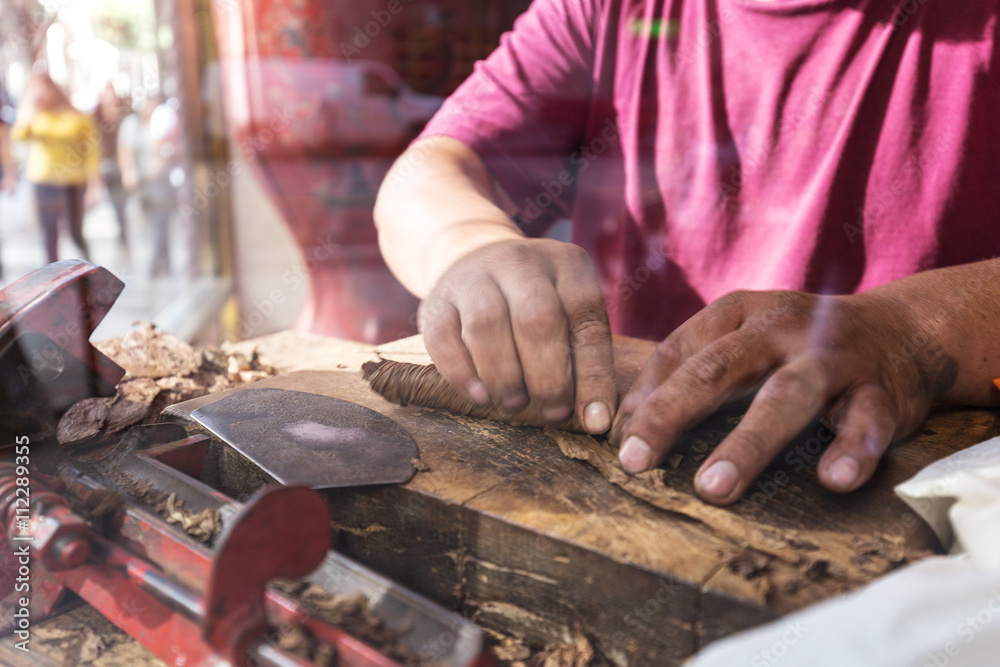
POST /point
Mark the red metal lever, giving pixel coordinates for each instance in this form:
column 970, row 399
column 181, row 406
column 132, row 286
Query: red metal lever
column 46, row 360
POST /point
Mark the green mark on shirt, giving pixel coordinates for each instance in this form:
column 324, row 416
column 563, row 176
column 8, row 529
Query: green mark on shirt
column 654, row 29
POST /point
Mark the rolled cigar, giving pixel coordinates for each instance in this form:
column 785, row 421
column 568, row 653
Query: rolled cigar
column 415, row 384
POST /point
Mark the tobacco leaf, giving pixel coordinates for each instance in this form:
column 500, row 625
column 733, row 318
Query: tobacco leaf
column 161, row 370
column 84, row 420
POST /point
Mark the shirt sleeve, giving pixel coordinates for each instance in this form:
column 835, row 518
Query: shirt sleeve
column 524, row 109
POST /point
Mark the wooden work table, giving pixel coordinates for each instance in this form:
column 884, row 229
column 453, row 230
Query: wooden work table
column 505, row 528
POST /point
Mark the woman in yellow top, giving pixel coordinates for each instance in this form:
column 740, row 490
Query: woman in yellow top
column 63, row 161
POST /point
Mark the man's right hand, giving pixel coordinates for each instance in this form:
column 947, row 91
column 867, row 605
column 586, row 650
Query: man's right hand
column 524, row 320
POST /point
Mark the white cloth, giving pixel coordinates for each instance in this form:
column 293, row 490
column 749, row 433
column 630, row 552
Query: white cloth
column 939, row 612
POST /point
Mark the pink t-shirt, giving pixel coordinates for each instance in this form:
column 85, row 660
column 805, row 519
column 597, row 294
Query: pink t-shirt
column 704, row 146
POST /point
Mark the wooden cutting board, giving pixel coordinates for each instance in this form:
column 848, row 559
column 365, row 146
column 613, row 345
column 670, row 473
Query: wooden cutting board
column 504, row 527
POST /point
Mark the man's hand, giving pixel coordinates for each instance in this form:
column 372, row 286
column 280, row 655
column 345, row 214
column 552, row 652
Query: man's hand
column 844, row 357
column 524, row 320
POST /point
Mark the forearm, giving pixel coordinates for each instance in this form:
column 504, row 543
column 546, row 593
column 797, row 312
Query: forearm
column 437, row 204
column 956, row 337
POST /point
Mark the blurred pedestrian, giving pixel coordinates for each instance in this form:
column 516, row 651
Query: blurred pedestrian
column 148, row 156
column 133, row 145
column 111, row 111
column 62, row 163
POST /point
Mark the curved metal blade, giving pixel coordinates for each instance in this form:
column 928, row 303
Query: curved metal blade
column 312, row 440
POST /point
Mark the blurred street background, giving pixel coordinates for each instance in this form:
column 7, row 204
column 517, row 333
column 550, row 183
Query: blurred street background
column 144, row 297
column 250, row 138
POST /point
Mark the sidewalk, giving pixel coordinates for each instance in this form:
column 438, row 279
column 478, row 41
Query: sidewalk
column 143, row 297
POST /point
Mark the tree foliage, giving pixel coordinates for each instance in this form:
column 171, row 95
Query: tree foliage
column 23, row 28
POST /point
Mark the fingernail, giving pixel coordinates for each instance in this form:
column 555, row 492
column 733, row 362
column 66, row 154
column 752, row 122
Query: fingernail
column 844, row 472
column 477, row 390
column 515, row 402
column 618, row 429
column 719, row 480
column 557, row 414
column 597, row 417
column 635, row 455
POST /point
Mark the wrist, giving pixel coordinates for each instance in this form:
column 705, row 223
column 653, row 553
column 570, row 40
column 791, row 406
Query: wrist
column 920, row 331
column 456, row 240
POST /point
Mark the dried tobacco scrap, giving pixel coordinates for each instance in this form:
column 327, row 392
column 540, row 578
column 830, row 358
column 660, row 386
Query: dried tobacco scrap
column 161, row 370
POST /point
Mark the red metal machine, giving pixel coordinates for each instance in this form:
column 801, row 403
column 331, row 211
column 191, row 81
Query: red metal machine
column 188, row 602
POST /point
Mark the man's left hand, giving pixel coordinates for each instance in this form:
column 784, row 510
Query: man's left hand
column 842, row 357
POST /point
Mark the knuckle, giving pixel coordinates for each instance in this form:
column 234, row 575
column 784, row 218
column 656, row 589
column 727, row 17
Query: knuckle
column 538, row 320
column 483, row 317
column 501, row 376
column 707, row 369
column 668, row 352
column 736, row 299
column 519, row 253
column 549, row 393
column 751, row 448
column 595, row 383
column 654, row 421
column 432, row 309
column 549, row 387
column 787, row 387
column 576, row 254
column 590, row 323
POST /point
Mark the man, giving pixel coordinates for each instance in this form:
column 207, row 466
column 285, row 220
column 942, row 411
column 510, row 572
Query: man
column 820, row 147
column 111, row 111
column 147, row 153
